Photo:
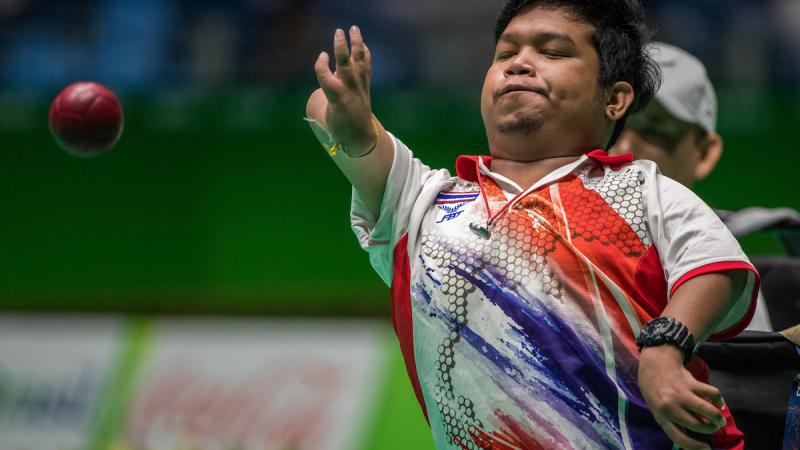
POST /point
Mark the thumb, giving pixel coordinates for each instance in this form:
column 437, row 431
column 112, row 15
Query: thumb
column 325, row 77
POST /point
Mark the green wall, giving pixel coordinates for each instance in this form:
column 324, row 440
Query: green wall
column 226, row 203
column 200, row 208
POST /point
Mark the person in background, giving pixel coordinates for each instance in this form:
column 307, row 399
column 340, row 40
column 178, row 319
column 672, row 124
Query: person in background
column 677, row 131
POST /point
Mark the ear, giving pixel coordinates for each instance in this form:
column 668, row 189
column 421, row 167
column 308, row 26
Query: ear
column 710, row 152
column 620, row 98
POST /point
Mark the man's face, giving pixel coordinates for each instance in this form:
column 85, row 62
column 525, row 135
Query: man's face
column 677, row 160
column 544, row 76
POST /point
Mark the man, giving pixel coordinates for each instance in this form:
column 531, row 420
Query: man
column 520, row 286
column 678, row 129
column 678, row 132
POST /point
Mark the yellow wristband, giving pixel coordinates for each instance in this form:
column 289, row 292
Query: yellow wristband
column 332, row 147
column 336, row 146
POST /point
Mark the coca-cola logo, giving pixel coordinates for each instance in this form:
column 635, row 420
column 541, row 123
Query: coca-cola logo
column 285, row 404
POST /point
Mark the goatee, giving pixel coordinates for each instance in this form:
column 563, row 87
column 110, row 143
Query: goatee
column 520, row 125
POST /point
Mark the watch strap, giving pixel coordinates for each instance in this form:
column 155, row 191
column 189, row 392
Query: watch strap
column 667, row 330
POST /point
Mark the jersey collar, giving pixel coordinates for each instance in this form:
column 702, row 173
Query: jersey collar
column 467, row 165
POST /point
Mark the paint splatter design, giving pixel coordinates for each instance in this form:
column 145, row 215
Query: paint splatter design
column 525, row 340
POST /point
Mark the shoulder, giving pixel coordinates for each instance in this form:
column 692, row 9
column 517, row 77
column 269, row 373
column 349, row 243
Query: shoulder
column 658, row 184
column 627, row 177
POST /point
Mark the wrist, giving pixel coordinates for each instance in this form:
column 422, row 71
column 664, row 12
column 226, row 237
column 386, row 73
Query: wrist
column 667, row 332
column 361, row 147
column 663, row 352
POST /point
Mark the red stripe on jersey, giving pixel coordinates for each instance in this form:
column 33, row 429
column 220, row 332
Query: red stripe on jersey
column 597, row 229
column 401, row 315
column 460, row 200
column 723, row 267
column 649, row 284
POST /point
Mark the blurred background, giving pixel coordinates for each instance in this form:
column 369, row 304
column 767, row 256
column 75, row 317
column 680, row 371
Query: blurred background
column 147, row 294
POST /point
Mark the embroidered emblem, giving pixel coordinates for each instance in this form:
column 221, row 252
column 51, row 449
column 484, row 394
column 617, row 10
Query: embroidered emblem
column 452, row 202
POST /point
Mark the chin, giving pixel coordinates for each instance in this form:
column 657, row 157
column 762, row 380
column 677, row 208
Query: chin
column 519, row 125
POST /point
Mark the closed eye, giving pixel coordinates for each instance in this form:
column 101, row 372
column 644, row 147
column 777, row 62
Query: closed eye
column 504, row 55
column 552, row 54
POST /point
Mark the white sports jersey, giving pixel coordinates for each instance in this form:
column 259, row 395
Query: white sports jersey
column 519, row 332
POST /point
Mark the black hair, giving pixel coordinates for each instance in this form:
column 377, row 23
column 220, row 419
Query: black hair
column 620, row 36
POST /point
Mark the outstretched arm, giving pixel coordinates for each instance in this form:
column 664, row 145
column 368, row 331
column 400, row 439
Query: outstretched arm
column 342, row 107
column 677, row 400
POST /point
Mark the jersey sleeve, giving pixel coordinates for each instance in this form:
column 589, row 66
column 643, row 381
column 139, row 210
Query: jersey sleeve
column 401, row 208
column 691, row 240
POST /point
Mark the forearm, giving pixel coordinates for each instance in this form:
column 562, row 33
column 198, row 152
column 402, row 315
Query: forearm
column 367, row 173
column 678, row 401
column 701, row 303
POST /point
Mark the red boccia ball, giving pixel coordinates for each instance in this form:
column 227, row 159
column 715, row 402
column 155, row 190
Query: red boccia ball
column 86, row 119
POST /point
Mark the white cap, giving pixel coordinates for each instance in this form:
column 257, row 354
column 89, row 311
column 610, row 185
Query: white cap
column 686, row 92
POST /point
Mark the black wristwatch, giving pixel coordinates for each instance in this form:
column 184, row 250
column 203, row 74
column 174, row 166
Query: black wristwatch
column 667, row 330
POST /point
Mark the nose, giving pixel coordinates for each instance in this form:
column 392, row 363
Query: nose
column 520, row 65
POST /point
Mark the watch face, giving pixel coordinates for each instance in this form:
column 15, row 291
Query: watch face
column 661, row 325
column 655, row 332
column 667, row 330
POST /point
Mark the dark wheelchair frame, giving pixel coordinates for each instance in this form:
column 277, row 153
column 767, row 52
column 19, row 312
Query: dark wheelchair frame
column 756, row 370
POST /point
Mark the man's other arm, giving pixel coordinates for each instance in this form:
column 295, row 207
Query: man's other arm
column 675, row 398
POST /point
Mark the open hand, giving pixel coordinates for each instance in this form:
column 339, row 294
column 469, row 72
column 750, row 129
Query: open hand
column 349, row 113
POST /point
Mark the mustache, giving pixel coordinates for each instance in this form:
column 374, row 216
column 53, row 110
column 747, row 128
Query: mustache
column 514, row 87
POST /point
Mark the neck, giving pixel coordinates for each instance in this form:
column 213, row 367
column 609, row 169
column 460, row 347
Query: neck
column 527, row 173
column 527, row 158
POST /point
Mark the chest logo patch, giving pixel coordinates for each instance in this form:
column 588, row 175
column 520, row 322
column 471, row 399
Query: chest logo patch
column 452, row 202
